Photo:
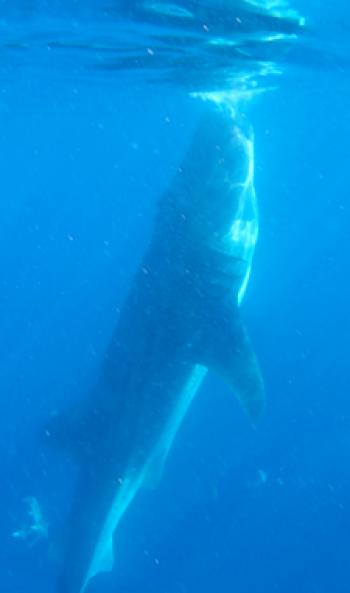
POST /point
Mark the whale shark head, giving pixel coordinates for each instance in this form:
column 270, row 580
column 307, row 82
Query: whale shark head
column 210, row 207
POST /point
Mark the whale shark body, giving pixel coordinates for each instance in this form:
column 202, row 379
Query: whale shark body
column 181, row 318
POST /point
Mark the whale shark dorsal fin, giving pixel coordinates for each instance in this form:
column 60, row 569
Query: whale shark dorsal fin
column 226, row 349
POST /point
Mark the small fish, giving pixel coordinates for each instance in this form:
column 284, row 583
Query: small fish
column 36, row 527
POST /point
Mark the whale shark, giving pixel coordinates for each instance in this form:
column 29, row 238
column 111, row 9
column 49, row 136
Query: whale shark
column 181, row 318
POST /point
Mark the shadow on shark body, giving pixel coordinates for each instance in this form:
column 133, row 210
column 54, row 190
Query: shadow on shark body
column 180, row 319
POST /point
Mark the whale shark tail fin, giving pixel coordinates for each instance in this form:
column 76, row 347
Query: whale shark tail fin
column 229, row 353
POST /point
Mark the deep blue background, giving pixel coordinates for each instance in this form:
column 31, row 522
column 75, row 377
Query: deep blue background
column 83, row 164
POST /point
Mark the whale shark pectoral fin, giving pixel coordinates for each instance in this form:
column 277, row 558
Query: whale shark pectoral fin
column 229, row 353
column 104, row 562
column 155, row 470
column 156, row 466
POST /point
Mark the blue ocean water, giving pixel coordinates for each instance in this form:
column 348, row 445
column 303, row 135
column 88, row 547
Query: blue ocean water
column 85, row 158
